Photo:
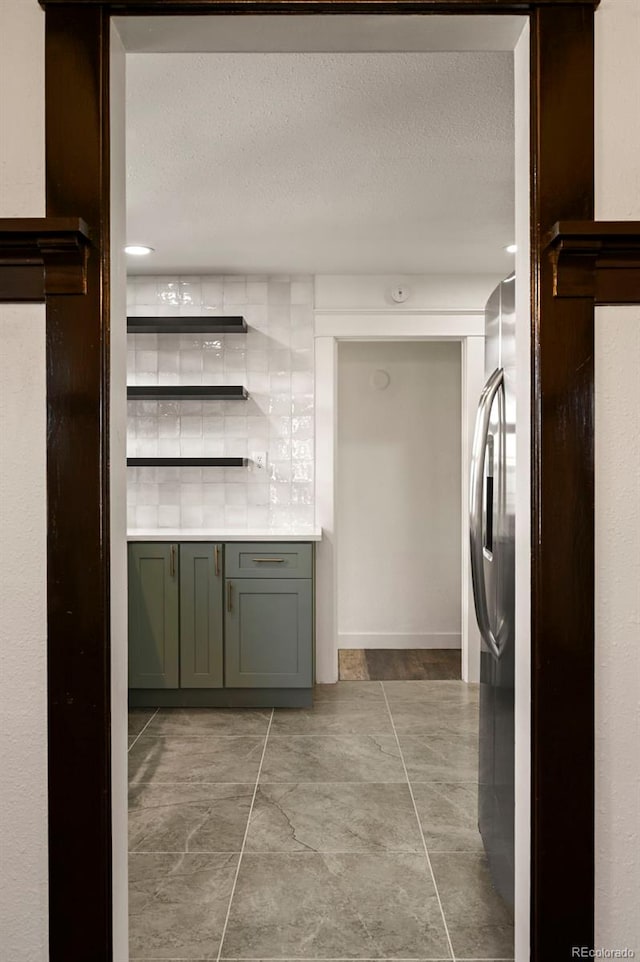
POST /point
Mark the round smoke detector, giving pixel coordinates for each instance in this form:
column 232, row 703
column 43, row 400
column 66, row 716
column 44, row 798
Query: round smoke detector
column 380, row 380
column 401, row 293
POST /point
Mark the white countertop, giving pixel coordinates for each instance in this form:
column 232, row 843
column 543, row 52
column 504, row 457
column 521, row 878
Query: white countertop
column 232, row 534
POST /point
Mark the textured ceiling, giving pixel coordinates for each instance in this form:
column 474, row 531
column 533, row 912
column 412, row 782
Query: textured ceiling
column 320, row 33
column 320, row 162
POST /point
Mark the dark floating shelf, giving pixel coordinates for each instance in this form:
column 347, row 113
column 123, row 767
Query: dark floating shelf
column 182, row 392
column 186, row 325
column 186, row 462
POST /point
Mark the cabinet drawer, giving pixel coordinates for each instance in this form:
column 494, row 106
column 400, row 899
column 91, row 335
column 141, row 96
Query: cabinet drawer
column 274, row 560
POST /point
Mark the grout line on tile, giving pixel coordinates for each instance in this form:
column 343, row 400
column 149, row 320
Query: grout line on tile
column 154, row 851
column 326, row 781
column 446, row 781
column 153, row 781
column 142, row 731
column 460, row 851
column 184, row 783
column 297, row 781
column 195, row 740
column 367, row 734
column 191, row 736
column 310, row 854
column 441, row 781
column 415, row 810
column 244, row 840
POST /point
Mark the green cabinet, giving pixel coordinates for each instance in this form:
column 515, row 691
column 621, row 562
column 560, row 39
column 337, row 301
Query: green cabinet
column 153, row 616
column 175, row 615
column 220, row 624
column 268, row 633
column 201, row 646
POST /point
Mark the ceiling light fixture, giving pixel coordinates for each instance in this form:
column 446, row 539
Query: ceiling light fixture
column 138, row 250
column 511, row 249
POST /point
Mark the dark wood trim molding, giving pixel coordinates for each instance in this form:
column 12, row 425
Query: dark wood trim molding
column 596, row 259
column 562, row 495
column 42, row 255
column 77, row 126
column 78, row 573
column 165, row 7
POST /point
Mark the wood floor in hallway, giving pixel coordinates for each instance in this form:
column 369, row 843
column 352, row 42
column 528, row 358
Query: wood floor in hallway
column 403, row 664
column 343, row 832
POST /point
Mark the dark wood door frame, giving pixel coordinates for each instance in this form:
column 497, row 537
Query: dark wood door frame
column 562, row 619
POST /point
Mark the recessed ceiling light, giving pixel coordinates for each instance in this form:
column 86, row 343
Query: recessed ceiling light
column 138, row 250
column 511, row 249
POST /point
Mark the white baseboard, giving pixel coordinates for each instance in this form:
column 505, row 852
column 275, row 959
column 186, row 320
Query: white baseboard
column 361, row 639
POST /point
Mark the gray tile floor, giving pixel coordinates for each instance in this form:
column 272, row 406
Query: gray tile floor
column 346, row 831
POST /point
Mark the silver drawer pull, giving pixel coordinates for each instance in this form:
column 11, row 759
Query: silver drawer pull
column 278, row 561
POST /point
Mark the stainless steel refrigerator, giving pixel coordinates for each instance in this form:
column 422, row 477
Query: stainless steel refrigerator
column 492, row 516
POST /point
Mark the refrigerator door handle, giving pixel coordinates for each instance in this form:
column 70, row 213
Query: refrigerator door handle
column 491, row 388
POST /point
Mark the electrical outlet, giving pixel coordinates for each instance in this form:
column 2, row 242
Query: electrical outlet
column 259, row 459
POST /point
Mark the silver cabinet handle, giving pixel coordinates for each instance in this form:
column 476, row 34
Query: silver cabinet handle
column 491, row 388
column 277, row 561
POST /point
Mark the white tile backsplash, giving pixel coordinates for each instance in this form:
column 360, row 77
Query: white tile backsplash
column 274, row 361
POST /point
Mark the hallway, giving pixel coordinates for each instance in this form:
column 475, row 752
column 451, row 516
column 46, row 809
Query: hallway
column 343, row 832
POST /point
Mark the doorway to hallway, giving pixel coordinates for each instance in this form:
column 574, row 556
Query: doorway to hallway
column 400, row 504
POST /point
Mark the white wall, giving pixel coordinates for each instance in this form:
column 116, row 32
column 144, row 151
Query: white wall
column 439, row 293
column 23, row 729
column 398, row 498
column 617, row 362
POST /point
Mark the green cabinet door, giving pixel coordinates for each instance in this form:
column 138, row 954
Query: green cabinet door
column 268, row 633
column 201, row 617
column 153, row 616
